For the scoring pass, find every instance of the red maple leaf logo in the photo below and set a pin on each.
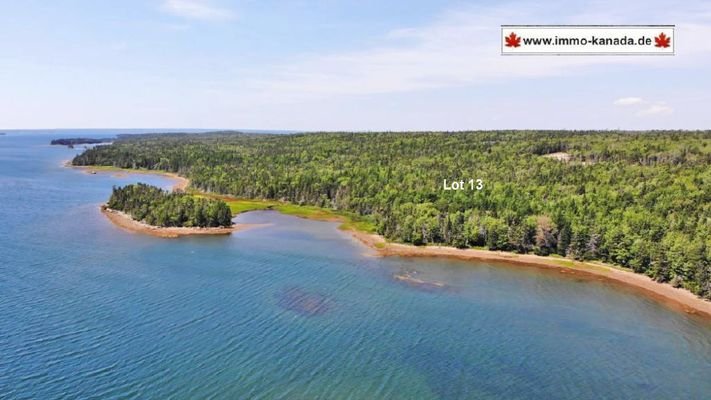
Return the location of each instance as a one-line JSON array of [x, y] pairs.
[[513, 41], [662, 40]]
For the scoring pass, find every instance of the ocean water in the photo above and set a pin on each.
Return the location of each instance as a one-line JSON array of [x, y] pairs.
[[298, 310]]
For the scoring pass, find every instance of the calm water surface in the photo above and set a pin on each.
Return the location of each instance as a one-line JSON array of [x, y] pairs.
[[296, 310]]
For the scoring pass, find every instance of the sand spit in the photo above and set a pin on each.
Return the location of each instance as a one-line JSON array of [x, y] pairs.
[[125, 221]]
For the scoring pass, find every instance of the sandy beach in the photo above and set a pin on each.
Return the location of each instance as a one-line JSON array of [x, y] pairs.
[[676, 298], [125, 221], [181, 183]]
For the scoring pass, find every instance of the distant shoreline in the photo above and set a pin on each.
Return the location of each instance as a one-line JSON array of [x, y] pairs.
[[675, 298], [181, 183]]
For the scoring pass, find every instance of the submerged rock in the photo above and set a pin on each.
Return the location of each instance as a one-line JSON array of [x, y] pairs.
[[303, 302], [409, 278]]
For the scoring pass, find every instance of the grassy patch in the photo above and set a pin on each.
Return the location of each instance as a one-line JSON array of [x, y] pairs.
[[349, 221], [358, 223], [240, 206], [311, 212]]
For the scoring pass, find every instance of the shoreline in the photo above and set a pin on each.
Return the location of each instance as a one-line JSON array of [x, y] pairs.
[[124, 221], [676, 298], [181, 182]]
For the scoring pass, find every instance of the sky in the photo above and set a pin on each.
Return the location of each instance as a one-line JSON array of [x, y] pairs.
[[340, 65]]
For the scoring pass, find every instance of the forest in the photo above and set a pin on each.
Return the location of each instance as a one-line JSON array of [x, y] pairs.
[[640, 200], [157, 207]]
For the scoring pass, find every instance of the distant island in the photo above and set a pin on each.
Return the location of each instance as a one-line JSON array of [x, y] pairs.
[[76, 141], [2, 133], [149, 209]]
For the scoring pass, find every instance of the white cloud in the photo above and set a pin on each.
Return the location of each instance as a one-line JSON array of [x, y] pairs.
[[628, 101], [196, 9], [656, 109], [460, 48], [644, 107]]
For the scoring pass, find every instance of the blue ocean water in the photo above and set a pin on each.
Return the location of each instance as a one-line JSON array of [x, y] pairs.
[[298, 310]]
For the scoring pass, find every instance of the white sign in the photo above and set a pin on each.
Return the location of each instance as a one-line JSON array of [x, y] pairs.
[[587, 39]]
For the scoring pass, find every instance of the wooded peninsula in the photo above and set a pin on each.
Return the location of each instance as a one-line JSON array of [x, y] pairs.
[[640, 200], [160, 208]]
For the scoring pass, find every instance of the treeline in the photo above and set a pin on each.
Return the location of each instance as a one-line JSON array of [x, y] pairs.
[[157, 207], [637, 199]]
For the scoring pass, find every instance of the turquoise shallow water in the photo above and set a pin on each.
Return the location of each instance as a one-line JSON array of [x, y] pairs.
[[296, 310]]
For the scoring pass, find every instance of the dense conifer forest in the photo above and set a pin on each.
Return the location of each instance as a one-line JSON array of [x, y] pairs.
[[160, 208], [637, 199]]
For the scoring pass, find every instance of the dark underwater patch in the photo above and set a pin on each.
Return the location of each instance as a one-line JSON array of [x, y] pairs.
[[303, 302]]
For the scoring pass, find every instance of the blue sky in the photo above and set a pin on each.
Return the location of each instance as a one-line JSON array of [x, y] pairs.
[[339, 65]]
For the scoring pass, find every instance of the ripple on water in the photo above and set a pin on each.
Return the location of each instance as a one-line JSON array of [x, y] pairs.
[[294, 311]]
